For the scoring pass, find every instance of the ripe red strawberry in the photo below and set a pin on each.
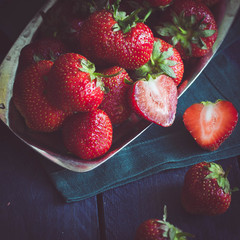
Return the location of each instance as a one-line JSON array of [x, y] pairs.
[[115, 101], [206, 189], [190, 26], [209, 123], [29, 98], [165, 59], [155, 229], [88, 135], [110, 37], [155, 99], [73, 85], [41, 49]]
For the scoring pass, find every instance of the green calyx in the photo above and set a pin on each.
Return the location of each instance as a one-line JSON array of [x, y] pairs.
[[89, 67], [217, 172], [170, 231], [158, 64], [186, 30], [126, 22]]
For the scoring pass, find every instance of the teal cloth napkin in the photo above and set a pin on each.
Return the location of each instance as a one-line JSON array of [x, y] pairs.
[[159, 148]]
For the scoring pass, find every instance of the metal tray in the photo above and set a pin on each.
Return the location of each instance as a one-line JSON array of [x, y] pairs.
[[49, 145]]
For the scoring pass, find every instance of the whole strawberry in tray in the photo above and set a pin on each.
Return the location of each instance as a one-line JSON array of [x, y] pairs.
[[206, 189], [190, 26], [155, 99], [41, 49], [209, 123], [73, 84], [88, 135], [165, 59], [29, 98], [156, 229], [115, 101], [110, 37]]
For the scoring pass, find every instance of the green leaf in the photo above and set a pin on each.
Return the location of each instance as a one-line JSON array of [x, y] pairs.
[[207, 33], [156, 50], [175, 40], [167, 54], [168, 70], [170, 63]]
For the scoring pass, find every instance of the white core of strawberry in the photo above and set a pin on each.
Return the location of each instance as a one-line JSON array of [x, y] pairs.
[[210, 121]]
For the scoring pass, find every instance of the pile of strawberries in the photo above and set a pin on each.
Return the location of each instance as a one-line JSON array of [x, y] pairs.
[[91, 66]]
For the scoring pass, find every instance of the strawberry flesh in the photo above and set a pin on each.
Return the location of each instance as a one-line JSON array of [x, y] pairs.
[[155, 100], [209, 123]]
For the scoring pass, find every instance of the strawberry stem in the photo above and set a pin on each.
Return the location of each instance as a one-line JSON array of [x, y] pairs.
[[127, 22]]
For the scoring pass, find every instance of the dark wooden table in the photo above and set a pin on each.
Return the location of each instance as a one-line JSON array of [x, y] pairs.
[[31, 208]]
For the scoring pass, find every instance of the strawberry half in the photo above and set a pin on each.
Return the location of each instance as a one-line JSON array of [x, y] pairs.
[[156, 229], [209, 123], [88, 135], [206, 189], [155, 99], [29, 98]]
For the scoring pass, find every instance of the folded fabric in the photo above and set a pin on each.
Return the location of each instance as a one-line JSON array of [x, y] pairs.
[[159, 148]]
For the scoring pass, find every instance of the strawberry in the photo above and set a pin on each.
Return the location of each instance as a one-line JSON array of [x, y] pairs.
[[41, 49], [73, 85], [165, 59], [206, 190], [115, 100], [111, 37], [209, 123], [156, 229], [88, 135], [190, 26], [29, 98], [155, 99]]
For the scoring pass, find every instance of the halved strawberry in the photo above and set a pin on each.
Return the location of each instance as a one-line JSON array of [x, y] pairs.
[[209, 123], [155, 99]]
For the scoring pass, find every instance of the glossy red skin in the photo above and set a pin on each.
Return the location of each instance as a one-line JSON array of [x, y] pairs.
[[88, 135], [168, 99], [192, 7], [70, 89], [150, 230], [44, 49], [115, 101], [29, 98], [203, 196], [179, 67], [103, 46]]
